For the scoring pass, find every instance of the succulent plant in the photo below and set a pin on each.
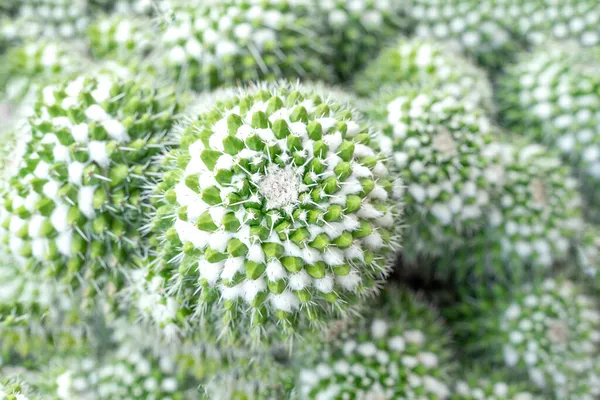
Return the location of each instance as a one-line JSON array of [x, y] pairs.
[[121, 37], [539, 211], [276, 206], [540, 21], [552, 95], [220, 43], [16, 388], [399, 351], [425, 63], [490, 386], [469, 26], [587, 254], [51, 18], [357, 29], [74, 206], [429, 132], [34, 64], [548, 329]]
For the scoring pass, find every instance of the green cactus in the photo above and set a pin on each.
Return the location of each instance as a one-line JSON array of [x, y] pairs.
[[276, 206], [31, 65], [549, 330], [222, 43], [121, 37], [74, 206], [480, 385], [427, 133], [425, 63], [469, 26], [399, 351], [17, 388], [357, 30]]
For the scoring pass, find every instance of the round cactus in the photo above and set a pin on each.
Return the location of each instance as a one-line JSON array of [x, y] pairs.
[[120, 37], [276, 205], [31, 65], [51, 18], [128, 373], [551, 95], [429, 132], [588, 255], [490, 386], [74, 207], [220, 43], [549, 330], [538, 211], [469, 26], [357, 29], [425, 63], [537, 22], [400, 351], [16, 388]]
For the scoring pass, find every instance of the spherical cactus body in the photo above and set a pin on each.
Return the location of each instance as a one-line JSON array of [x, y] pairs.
[[428, 132], [222, 43], [399, 351], [74, 206], [548, 329], [276, 206], [426, 63]]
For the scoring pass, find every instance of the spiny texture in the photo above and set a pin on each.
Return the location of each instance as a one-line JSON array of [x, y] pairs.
[[490, 386], [121, 37], [34, 64], [50, 19], [553, 95], [224, 42], [549, 330], [540, 21], [588, 254], [429, 64], [15, 388], [127, 373], [277, 205], [436, 148], [468, 25], [73, 209], [537, 210], [398, 352], [357, 29]]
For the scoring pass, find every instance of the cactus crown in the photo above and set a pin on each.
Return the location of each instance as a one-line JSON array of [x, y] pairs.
[[276, 205]]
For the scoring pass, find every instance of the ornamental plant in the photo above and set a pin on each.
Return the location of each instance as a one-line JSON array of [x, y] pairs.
[[436, 144], [399, 351], [275, 207], [356, 30], [426, 63], [552, 96], [72, 210], [222, 43], [490, 386], [548, 330]]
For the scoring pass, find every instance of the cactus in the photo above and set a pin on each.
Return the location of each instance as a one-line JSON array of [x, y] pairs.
[[490, 386], [551, 96], [469, 26], [34, 64], [73, 209], [357, 30], [587, 255], [276, 206], [428, 132], [548, 330], [270, 39], [426, 63], [399, 351], [121, 38], [16, 388], [51, 19]]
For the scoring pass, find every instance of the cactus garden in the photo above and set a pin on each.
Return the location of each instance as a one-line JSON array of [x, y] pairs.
[[299, 199]]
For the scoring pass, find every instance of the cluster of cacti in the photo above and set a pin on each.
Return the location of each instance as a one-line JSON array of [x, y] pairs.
[[299, 199]]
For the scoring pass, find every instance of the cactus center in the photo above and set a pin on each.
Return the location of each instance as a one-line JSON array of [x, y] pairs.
[[538, 191], [444, 142], [558, 332], [280, 187]]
